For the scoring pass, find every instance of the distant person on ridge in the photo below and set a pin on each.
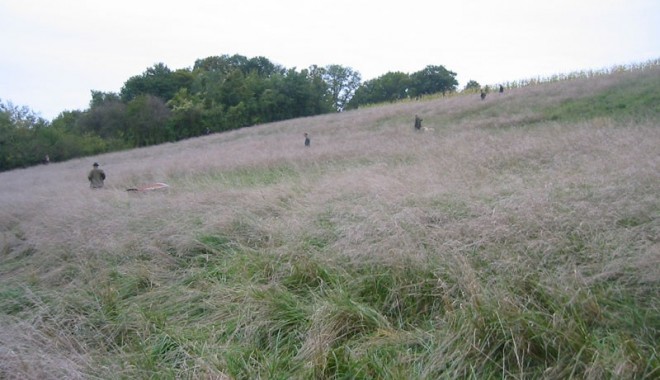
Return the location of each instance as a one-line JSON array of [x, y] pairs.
[[307, 140], [418, 123], [96, 177]]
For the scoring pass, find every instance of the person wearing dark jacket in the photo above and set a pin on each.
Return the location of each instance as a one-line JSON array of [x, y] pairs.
[[418, 122], [96, 177]]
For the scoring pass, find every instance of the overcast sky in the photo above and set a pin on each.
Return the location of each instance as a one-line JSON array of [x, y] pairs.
[[54, 52]]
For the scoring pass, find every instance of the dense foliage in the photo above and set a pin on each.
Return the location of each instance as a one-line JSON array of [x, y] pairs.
[[219, 93], [26, 139], [394, 86]]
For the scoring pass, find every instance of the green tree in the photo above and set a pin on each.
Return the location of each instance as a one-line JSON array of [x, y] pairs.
[[233, 89], [19, 142], [431, 80], [270, 103], [472, 85], [262, 67], [226, 64], [158, 81], [188, 117], [69, 142], [301, 98], [8, 138], [389, 87], [147, 119], [100, 97], [106, 119], [342, 83]]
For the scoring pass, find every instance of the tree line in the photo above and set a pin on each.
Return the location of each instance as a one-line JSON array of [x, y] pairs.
[[218, 93]]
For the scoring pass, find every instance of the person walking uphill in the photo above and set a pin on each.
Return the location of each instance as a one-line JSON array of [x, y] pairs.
[[307, 140], [96, 177]]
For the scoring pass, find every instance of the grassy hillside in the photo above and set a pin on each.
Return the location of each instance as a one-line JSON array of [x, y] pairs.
[[518, 238]]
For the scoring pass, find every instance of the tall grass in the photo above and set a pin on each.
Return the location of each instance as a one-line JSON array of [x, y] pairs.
[[518, 239]]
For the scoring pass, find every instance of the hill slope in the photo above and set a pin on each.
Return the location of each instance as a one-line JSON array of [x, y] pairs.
[[516, 238]]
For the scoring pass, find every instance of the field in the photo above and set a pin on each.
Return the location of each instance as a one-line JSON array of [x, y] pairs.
[[516, 238]]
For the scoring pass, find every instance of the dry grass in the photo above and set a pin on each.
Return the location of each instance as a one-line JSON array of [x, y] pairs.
[[496, 205]]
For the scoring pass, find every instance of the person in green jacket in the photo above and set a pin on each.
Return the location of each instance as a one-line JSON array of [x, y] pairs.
[[96, 177]]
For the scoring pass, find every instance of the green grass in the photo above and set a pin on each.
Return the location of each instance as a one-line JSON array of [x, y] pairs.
[[517, 240], [636, 99], [304, 317]]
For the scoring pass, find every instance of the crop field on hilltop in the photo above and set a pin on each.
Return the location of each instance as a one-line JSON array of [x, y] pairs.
[[516, 238]]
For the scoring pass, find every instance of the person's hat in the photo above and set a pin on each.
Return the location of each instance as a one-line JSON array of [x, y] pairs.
[[96, 164]]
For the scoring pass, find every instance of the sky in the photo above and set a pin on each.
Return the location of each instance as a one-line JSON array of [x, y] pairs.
[[53, 53]]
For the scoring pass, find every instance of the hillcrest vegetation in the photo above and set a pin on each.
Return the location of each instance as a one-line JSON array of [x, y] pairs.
[[219, 93], [511, 237]]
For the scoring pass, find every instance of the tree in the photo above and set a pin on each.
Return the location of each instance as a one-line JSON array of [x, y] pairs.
[[321, 98], [106, 119], [158, 81], [262, 67], [100, 97], [187, 115], [389, 87], [21, 117], [20, 144], [232, 90], [342, 83], [147, 117], [225, 64], [472, 85], [431, 80], [68, 143], [302, 97], [8, 138], [66, 121]]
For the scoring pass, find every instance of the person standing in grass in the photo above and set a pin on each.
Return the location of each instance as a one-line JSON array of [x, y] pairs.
[[96, 177], [307, 140], [418, 122]]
